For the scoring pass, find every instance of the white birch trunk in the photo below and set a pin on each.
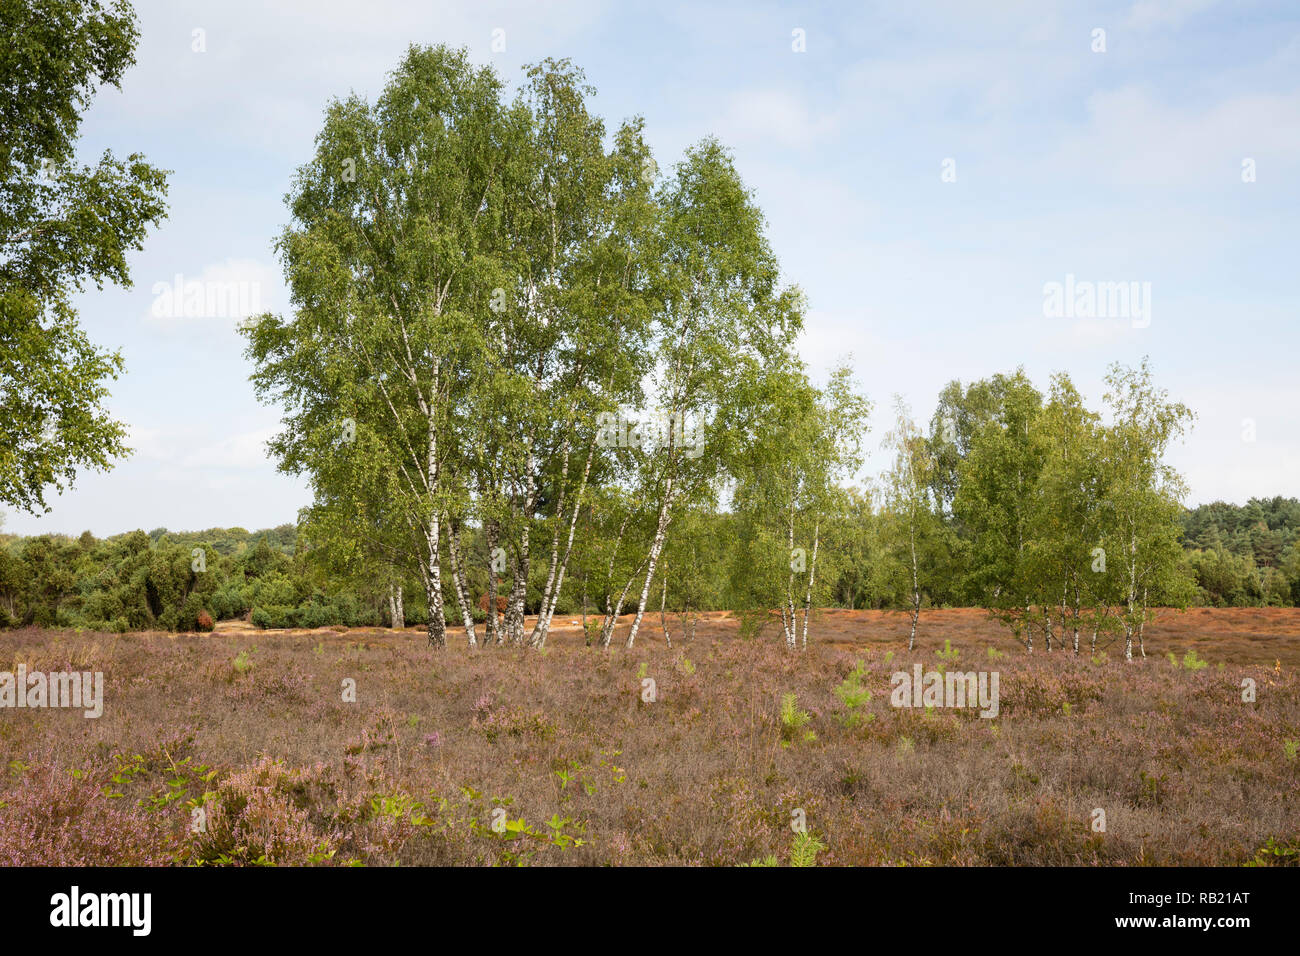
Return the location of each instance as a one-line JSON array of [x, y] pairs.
[[812, 575], [433, 589], [661, 532], [433, 579], [396, 613], [552, 598], [492, 532], [916, 583], [458, 580], [1132, 596]]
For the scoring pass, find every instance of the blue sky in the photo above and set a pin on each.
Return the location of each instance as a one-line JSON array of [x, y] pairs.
[[1117, 166]]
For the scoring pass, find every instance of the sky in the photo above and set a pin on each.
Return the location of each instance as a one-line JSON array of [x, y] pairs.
[[932, 173]]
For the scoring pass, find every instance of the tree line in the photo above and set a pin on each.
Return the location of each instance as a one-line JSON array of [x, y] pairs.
[[1062, 556]]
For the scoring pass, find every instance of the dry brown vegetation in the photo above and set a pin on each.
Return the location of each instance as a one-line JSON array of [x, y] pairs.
[[706, 774]]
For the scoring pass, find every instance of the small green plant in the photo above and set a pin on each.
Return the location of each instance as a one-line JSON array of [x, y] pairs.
[[750, 623], [1151, 789], [558, 837], [905, 745], [949, 654], [399, 806], [686, 666], [642, 669], [995, 654], [855, 696], [243, 662], [889, 656], [804, 850], [1291, 748], [1190, 661], [607, 761], [1277, 853], [793, 720]]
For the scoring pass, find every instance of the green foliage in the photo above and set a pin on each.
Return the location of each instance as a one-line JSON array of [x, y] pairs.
[[243, 662], [793, 720], [855, 696], [62, 224], [138, 581], [804, 850], [1277, 852], [1190, 661], [1245, 555]]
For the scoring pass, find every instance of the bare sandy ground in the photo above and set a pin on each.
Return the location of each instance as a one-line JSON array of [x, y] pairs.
[[1231, 635]]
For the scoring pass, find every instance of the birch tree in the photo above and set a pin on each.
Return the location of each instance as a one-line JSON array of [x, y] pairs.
[[62, 223], [1145, 493], [911, 523], [722, 319], [1064, 553], [394, 245], [806, 442], [564, 336], [993, 501]]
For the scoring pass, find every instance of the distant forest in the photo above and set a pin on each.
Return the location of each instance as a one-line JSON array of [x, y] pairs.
[[1237, 555]]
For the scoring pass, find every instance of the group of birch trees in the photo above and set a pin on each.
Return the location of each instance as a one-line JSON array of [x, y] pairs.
[[519, 353], [1059, 519], [507, 319]]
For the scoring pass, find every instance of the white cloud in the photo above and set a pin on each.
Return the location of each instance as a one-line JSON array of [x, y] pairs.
[[245, 450], [1132, 138], [150, 444], [181, 453], [774, 116]]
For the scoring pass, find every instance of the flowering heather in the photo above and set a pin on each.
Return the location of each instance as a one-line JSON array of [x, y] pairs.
[[508, 756]]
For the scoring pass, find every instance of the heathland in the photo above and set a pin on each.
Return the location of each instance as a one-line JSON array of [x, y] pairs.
[[365, 746]]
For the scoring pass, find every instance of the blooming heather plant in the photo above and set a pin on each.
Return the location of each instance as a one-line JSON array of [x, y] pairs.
[[261, 815], [53, 817], [289, 774]]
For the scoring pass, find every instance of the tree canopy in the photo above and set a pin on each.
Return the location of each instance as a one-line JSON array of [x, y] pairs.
[[62, 223]]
